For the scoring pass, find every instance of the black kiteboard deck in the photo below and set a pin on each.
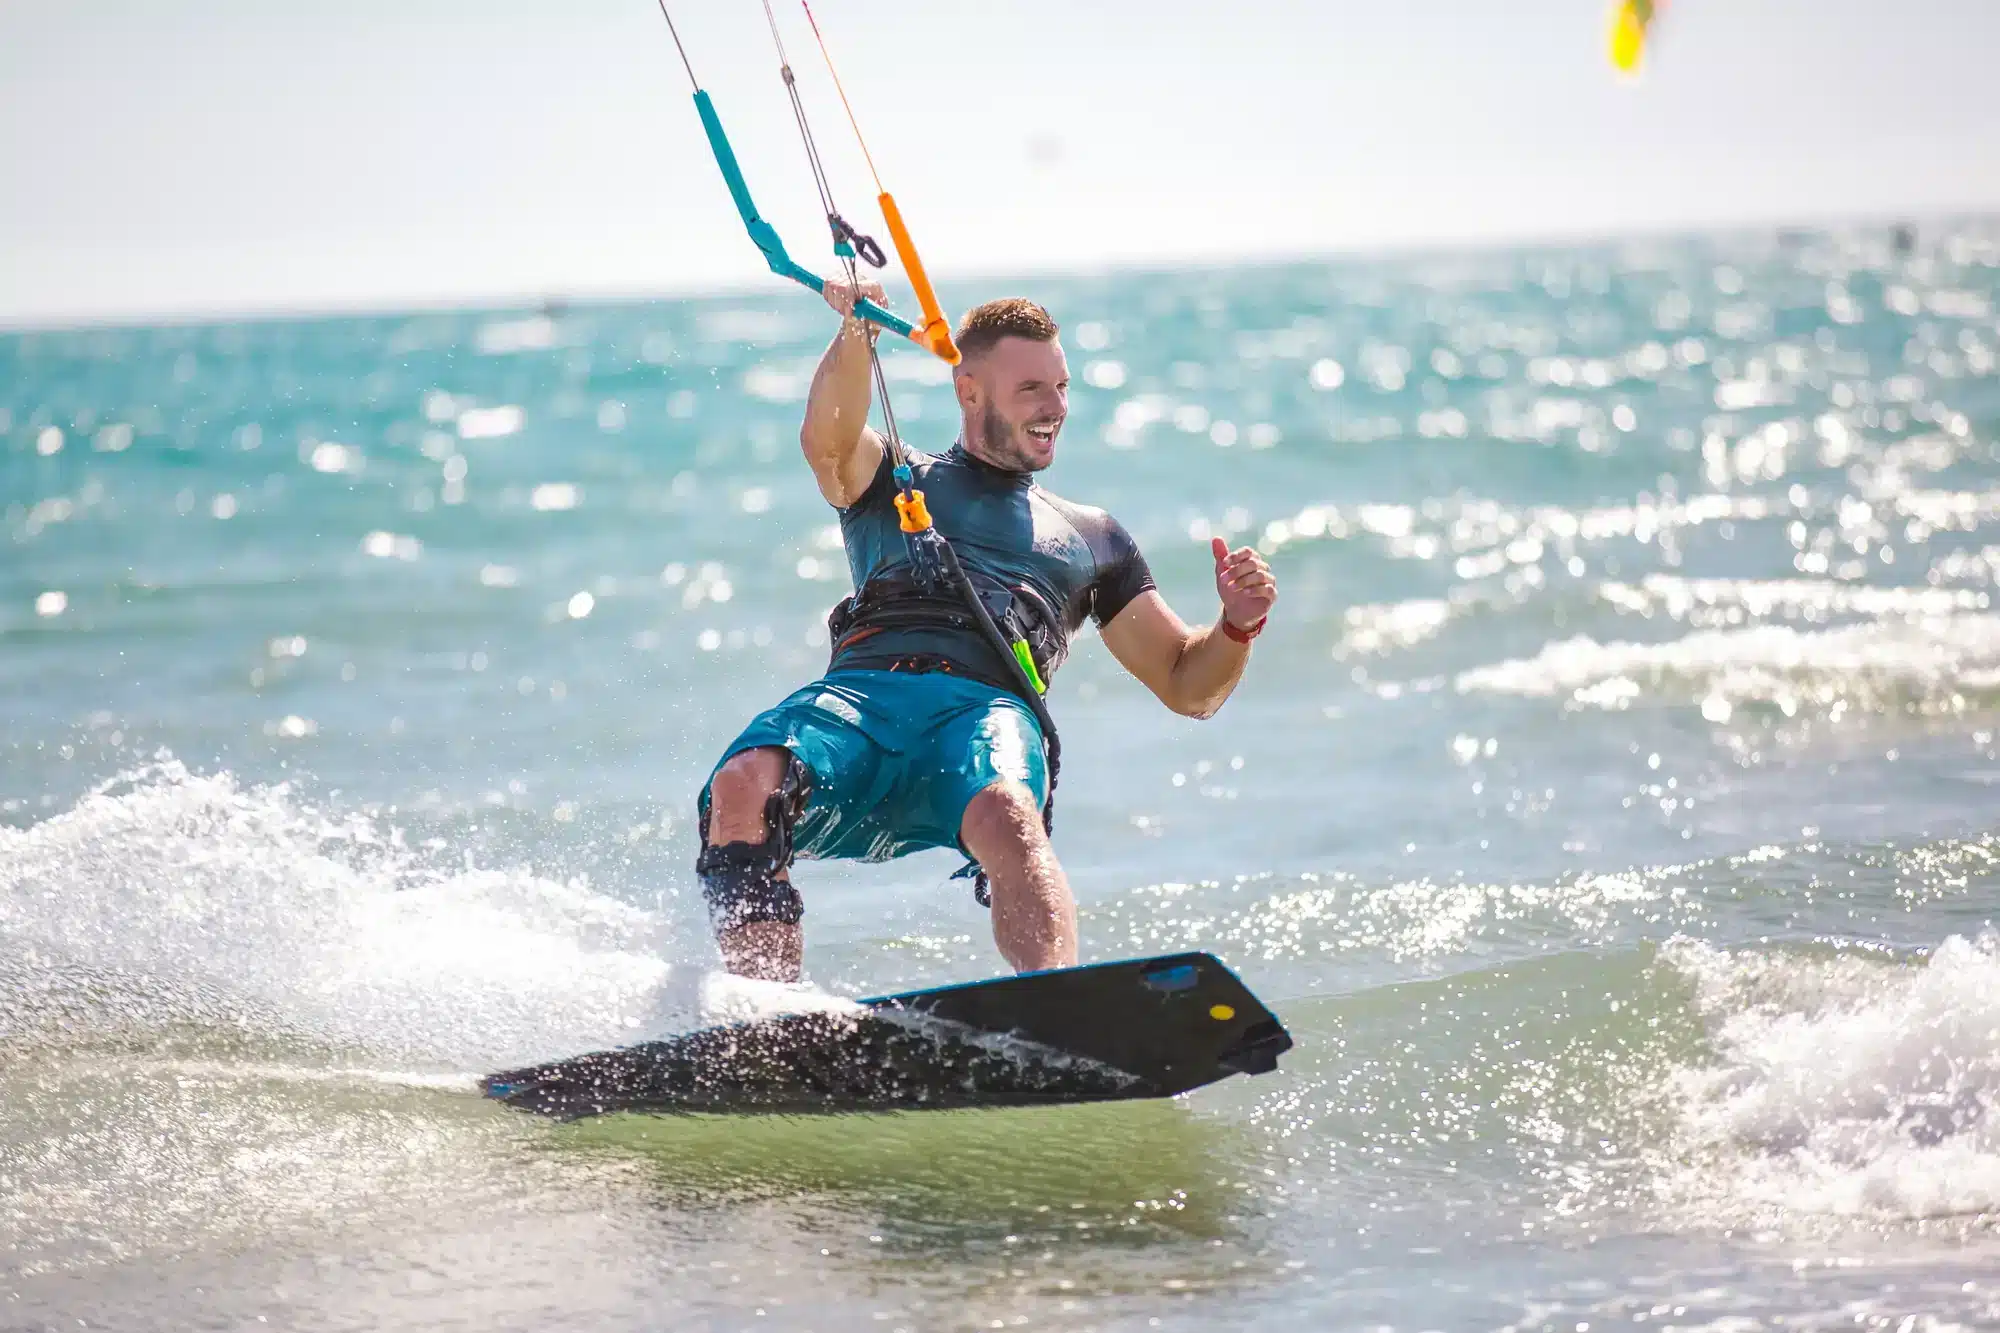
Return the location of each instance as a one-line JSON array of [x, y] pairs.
[[1145, 1027]]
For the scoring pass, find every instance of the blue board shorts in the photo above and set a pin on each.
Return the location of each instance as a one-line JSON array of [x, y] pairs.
[[896, 757]]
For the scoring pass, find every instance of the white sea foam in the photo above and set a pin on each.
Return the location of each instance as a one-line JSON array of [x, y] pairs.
[[168, 898], [726, 998], [1932, 662], [1850, 1086]]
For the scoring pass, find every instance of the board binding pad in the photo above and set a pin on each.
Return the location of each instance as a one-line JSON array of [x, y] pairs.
[[1143, 1027]]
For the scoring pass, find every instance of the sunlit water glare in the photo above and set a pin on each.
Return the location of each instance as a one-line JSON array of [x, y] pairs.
[[1609, 809]]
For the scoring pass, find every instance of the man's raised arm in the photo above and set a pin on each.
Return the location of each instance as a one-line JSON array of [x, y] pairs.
[[843, 452]]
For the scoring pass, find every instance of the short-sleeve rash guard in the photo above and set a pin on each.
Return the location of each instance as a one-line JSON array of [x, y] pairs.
[[1007, 531]]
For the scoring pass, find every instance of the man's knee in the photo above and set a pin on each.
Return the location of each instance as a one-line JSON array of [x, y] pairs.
[[740, 790], [754, 800], [1005, 813]]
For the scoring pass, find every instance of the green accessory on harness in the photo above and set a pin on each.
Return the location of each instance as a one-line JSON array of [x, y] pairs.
[[1026, 657]]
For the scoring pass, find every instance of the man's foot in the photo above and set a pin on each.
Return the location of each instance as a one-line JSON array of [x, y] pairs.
[[764, 950]]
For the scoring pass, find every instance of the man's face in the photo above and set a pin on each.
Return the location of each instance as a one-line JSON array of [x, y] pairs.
[[1015, 398]]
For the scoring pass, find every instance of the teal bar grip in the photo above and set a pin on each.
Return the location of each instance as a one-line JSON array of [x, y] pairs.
[[764, 236]]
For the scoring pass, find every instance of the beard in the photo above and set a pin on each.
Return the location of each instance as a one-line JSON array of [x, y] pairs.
[[1006, 445]]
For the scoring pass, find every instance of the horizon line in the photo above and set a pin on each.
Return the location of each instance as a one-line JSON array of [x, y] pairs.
[[497, 300]]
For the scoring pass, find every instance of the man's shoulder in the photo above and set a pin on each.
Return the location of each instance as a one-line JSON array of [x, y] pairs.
[[922, 461], [884, 482], [1084, 518], [1109, 544]]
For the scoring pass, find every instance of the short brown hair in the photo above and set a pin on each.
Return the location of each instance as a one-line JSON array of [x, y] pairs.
[[1009, 317]]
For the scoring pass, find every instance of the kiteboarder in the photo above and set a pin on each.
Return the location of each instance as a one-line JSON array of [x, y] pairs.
[[921, 733]]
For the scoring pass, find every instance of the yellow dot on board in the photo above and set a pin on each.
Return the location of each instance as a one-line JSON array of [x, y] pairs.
[[1221, 1013]]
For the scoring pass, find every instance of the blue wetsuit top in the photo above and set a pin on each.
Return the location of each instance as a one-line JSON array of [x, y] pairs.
[[1040, 563]]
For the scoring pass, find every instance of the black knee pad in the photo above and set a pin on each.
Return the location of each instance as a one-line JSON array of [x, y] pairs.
[[741, 880]]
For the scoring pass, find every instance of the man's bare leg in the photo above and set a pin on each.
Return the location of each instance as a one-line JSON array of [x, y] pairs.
[[766, 950], [1034, 916]]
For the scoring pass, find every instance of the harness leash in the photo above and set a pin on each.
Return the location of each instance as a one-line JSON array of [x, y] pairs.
[[933, 561]]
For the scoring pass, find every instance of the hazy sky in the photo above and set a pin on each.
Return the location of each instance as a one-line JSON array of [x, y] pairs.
[[218, 155]]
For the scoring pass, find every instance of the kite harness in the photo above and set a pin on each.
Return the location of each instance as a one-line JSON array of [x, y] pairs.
[[752, 868]]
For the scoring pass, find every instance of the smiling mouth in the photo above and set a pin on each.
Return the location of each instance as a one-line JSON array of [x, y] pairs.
[[1044, 432]]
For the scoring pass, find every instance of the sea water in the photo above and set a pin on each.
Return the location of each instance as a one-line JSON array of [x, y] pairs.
[[1610, 808]]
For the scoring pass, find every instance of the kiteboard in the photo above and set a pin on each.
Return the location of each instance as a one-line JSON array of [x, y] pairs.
[[1145, 1027]]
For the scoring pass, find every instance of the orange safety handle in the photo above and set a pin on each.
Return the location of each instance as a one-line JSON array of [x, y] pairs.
[[935, 333], [916, 518]]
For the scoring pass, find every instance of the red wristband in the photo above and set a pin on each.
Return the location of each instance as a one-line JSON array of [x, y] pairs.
[[1243, 635]]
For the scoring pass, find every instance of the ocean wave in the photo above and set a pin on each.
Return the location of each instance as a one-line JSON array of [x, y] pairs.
[[1850, 1085], [1379, 629], [1483, 530], [1383, 628], [1320, 914], [1792, 1087], [1922, 663], [1722, 603], [1807, 887]]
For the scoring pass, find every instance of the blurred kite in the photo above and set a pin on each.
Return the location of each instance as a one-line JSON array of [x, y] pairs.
[[1630, 24]]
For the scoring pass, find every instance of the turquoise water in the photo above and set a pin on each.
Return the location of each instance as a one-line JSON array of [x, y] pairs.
[[1610, 808]]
